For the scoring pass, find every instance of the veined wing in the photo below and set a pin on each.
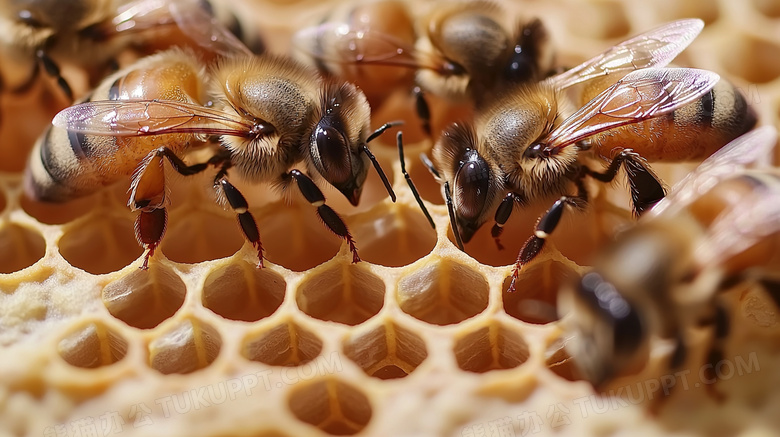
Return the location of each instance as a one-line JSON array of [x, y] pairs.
[[753, 149], [342, 43], [654, 48], [129, 118], [639, 96]]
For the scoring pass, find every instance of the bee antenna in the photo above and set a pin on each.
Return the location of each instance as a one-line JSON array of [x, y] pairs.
[[371, 156], [451, 211], [429, 165], [382, 129], [400, 141], [379, 170]]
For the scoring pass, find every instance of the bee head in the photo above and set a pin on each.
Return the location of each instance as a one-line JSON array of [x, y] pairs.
[[466, 43], [337, 140], [53, 16], [475, 182], [611, 333]]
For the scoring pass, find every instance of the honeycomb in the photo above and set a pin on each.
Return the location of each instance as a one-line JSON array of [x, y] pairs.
[[419, 339]]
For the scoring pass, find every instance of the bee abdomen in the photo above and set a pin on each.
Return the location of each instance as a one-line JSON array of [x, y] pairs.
[[58, 170], [690, 133]]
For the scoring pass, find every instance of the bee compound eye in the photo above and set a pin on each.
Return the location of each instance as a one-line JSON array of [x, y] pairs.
[[472, 183], [331, 153]]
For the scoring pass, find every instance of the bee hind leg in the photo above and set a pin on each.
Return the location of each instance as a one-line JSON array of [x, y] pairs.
[[328, 216], [149, 230], [646, 188]]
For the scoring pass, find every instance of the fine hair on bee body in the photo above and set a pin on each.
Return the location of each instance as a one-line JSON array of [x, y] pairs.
[[276, 120], [525, 147], [719, 228], [460, 50]]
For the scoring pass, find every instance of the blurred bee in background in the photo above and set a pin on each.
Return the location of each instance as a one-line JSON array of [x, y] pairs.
[[275, 122], [459, 51], [718, 228], [84, 40], [522, 149], [91, 33]]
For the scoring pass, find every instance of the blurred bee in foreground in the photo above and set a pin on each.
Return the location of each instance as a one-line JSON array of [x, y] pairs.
[[459, 51], [718, 227], [91, 33], [522, 150], [271, 115]]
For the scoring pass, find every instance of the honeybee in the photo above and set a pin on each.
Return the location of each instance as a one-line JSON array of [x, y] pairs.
[[91, 33], [719, 227], [459, 51], [521, 149], [276, 121]]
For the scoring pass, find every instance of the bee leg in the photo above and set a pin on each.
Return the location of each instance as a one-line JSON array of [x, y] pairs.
[[53, 70], [400, 141], [502, 215], [646, 189], [328, 216], [149, 230], [423, 110], [238, 203], [544, 227], [219, 159]]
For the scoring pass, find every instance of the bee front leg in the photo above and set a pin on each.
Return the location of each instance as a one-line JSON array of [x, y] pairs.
[[646, 189], [503, 212], [332, 220]]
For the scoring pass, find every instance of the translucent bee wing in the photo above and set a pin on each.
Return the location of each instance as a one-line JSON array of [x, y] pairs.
[[139, 15], [130, 118], [639, 96], [654, 48], [342, 43], [744, 225], [751, 150], [204, 29]]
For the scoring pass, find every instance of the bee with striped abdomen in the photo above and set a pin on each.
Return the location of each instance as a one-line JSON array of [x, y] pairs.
[[277, 122], [459, 51], [525, 147], [718, 228]]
